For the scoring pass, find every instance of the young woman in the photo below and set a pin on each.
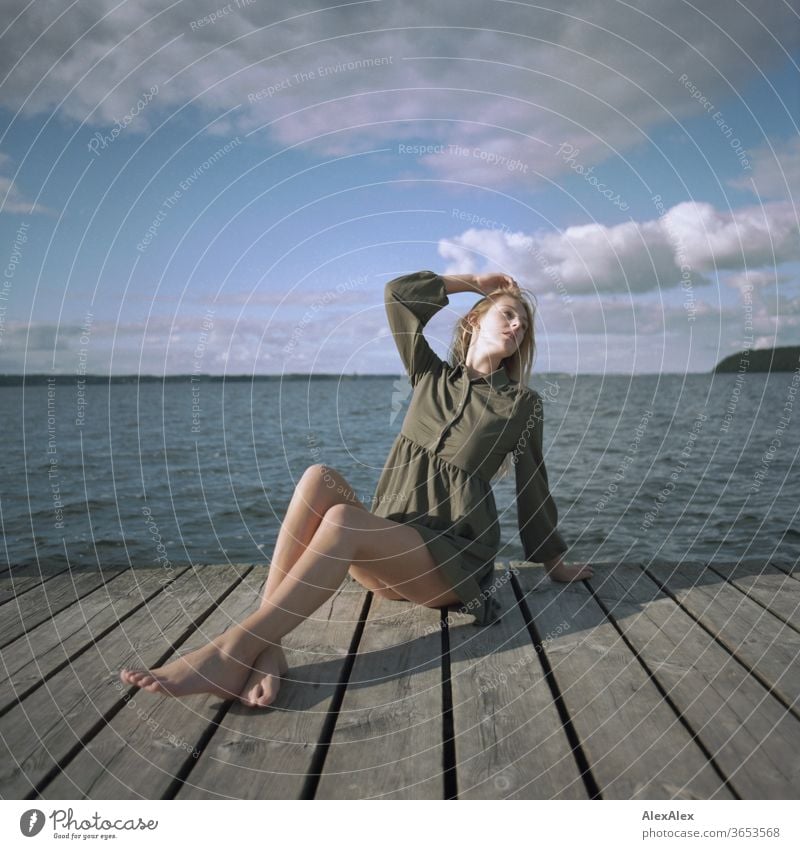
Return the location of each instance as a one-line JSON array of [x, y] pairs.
[[432, 533]]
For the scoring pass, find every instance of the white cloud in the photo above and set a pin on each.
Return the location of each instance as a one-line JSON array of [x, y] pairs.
[[190, 341], [644, 296], [751, 236], [747, 280], [12, 200], [509, 79], [592, 333], [774, 314], [677, 249]]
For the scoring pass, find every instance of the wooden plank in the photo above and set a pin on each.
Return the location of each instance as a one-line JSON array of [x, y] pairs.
[[763, 643], [39, 732], [790, 567], [773, 588], [35, 655], [267, 754], [19, 581], [749, 734], [510, 742], [636, 747], [142, 749], [45, 601], [388, 737]]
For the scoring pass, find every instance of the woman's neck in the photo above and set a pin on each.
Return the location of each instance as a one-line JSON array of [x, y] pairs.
[[481, 367]]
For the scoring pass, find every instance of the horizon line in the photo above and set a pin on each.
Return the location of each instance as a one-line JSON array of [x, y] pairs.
[[279, 375]]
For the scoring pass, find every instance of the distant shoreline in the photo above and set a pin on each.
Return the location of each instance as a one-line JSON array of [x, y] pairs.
[[42, 379], [786, 358], [752, 361]]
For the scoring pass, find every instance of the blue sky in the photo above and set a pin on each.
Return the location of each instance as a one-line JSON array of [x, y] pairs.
[[226, 188]]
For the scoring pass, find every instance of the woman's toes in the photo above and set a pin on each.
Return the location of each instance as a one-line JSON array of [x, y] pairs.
[[261, 688], [259, 696], [144, 679], [249, 696], [264, 699]]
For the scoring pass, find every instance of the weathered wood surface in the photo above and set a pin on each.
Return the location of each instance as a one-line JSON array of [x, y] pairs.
[[744, 731], [49, 598], [42, 731], [791, 568], [767, 646], [31, 659], [14, 584], [388, 738], [634, 743], [654, 680], [767, 585], [510, 742], [142, 748]]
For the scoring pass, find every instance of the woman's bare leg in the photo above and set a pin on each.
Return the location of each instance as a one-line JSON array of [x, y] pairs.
[[319, 488], [347, 534]]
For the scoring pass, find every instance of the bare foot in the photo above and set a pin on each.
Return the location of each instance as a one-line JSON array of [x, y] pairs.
[[210, 669], [570, 572], [261, 688]]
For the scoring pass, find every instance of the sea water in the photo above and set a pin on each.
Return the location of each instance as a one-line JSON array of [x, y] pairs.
[[700, 466]]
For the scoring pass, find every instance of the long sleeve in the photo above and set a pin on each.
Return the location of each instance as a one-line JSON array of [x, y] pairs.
[[536, 511], [411, 301]]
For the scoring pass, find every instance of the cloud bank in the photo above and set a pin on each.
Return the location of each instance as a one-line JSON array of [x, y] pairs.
[[689, 241], [363, 75]]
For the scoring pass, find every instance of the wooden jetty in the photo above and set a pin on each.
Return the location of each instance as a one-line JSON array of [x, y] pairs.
[[649, 681]]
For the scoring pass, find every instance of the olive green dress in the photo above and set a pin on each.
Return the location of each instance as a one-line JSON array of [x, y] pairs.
[[455, 435]]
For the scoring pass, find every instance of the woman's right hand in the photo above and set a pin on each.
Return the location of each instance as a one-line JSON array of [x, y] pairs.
[[492, 282]]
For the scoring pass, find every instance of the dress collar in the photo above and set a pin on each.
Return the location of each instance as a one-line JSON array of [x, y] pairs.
[[496, 379]]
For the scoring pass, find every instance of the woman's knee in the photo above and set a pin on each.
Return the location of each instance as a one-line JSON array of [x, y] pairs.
[[342, 521], [326, 482], [320, 476], [320, 488]]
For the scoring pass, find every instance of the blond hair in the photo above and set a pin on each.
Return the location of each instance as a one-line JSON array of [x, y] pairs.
[[518, 365]]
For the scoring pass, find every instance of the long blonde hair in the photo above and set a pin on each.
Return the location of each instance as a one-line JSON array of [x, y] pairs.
[[518, 365]]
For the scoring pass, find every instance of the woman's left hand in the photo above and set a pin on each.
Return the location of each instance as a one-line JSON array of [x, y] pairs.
[[489, 283]]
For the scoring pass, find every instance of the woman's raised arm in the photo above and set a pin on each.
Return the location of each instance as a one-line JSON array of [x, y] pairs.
[[481, 284], [411, 301]]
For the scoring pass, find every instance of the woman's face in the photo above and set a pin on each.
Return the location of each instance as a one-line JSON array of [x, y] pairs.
[[503, 326]]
